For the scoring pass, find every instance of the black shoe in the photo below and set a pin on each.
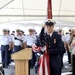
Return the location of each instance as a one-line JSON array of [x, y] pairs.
[[70, 71], [6, 66], [31, 67], [3, 66], [36, 72]]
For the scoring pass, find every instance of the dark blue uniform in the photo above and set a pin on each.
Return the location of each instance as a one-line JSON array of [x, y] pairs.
[[4, 53], [54, 49], [54, 43]]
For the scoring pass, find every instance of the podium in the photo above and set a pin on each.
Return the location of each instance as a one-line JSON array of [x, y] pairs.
[[21, 59]]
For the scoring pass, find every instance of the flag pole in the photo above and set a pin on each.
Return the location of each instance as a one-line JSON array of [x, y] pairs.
[[49, 9]]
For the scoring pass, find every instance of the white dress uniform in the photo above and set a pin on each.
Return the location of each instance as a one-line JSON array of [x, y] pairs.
[[23, 38], [66, 38], [18, 43], [30, 40], [11, 37], [4, 42]]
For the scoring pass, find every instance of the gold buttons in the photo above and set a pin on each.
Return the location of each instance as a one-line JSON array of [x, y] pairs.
[[49, 46]]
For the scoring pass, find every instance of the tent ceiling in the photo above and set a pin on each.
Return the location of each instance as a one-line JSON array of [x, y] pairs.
[[19, 10], [4, 3]]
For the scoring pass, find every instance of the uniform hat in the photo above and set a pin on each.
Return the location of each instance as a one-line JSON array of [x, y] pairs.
[[60, 30], [4, 30], [50, 23], [31, 30], [18, 30]]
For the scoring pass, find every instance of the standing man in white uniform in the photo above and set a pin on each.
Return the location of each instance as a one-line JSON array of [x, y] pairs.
[[30, 40], [23, 38], [18, 41], [5, 42], [66, 40]]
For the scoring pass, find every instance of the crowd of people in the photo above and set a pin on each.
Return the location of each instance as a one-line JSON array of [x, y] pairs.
[[13, 42], [59, 42]]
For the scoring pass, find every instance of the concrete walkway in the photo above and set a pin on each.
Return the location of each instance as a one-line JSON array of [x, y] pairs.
[[66, 70]]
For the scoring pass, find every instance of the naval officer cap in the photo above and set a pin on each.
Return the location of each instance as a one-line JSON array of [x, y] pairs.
[[31, 30], [4, 30], [18, 30], [50, 23], [60, 30]]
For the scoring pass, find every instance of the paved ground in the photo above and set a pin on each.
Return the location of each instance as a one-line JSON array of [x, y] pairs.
[[66, 70]]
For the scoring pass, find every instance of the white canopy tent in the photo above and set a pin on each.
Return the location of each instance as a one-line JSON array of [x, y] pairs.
[[22, 10]]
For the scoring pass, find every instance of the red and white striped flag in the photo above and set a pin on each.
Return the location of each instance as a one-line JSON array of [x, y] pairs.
[[44, 68], [44, 62]]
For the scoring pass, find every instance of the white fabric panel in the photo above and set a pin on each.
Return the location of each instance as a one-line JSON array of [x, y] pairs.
[[37, 10], [4, 2]]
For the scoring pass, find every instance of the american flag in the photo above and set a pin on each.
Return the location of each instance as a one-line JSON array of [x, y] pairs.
[[44, 62]]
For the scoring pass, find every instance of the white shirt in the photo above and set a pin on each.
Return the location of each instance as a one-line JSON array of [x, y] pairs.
[[11, 37], [63, 38], [30, 40], [24, 38], [18, 42], [5, 40], [66, 38], [50, 34]]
